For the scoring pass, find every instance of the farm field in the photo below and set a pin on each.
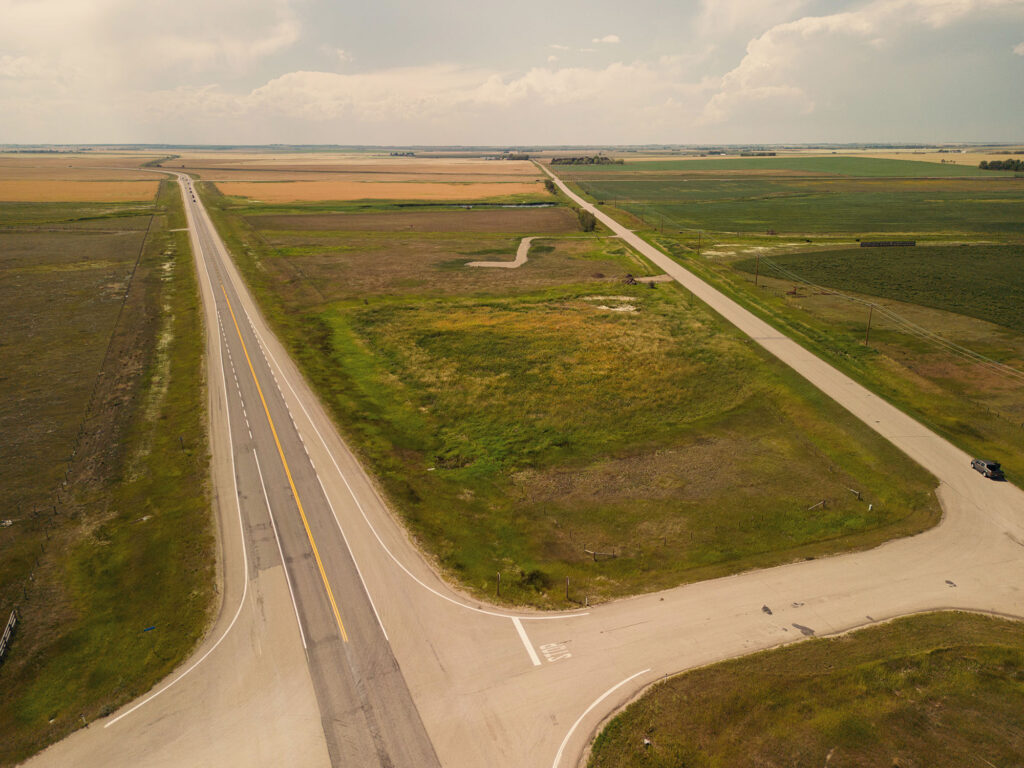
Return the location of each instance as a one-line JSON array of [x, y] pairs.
[[986, 282], [102, 348], [830, 208], [521, 419], [840, 165], [342, 178], [938, 690], [74, 178], [974, 404]]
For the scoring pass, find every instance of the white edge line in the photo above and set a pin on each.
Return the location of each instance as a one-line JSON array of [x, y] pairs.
[[241, 528], [351, 554], [373, 530], [602, 697], [526, 641], [284, 565]]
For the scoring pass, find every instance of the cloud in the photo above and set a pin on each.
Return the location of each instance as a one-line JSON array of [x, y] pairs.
[[606, 39], [417, 103], [343, 56], [1019, 49], [116, 41], [795, 65], [552, 59], [558, 47]]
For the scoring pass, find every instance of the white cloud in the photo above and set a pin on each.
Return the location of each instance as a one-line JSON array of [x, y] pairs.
[[413, 101], [552, 59], [118, 40], [343, 56], [784, 68], [1019, 49], [558, 47], [606, 39]]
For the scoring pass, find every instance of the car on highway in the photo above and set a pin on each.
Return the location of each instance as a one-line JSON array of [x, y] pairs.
[[988, 468]]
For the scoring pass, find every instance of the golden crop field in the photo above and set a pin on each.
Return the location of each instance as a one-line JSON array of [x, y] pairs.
[[75, 178], [344, 177], [295, 191]]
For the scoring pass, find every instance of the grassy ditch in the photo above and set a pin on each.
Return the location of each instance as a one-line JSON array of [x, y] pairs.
[[523, 420], [115, 585], [939, 690]]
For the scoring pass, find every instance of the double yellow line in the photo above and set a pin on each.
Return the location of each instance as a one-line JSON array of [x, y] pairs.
[[284, 461]]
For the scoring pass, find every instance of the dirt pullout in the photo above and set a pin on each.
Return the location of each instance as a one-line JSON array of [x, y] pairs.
[[540, 220]]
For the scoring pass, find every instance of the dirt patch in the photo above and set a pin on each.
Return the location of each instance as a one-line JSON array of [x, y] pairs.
[[540, 220], [296, 191]]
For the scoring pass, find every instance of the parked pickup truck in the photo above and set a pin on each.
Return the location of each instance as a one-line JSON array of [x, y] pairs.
[[988, 468]]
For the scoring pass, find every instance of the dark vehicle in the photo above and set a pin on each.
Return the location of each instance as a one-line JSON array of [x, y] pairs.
[[988, 468]]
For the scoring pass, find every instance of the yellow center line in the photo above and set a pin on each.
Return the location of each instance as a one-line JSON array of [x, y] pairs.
[[291, 482]]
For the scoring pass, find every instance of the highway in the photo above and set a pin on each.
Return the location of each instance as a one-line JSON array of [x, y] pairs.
[[338, 644]]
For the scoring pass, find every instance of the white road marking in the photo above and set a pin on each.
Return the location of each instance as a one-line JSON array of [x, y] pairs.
[[373, 530], [555, 651], [245, 555], [284, 565], [526, 641], [602, 697]]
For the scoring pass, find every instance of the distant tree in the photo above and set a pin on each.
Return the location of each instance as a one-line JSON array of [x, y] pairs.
[[549, 185], [588, 222]]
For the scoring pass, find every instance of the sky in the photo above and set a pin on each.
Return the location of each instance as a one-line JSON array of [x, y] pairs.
[[532, 72]]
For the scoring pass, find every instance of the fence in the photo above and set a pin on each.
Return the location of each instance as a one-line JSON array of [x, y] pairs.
[[8, 631]]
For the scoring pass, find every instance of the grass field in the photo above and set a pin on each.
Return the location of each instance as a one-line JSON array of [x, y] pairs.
[[935, 691], [837, 165], [518, 417], [965, 224], [108, 351], [986, 282], [842, 206]]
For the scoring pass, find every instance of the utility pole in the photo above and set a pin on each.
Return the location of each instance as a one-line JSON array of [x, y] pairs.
[[867, 333], [757, 268], [698, 242]]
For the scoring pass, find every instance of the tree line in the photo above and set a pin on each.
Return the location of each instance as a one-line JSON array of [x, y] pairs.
[[1001, 165], [586, 160]]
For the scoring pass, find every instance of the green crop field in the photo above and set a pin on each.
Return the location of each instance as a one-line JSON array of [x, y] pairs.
[[517, 418], [803, 164], [834, 206], [971, 266], [986, 282], [940, 690], [102, 350]]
